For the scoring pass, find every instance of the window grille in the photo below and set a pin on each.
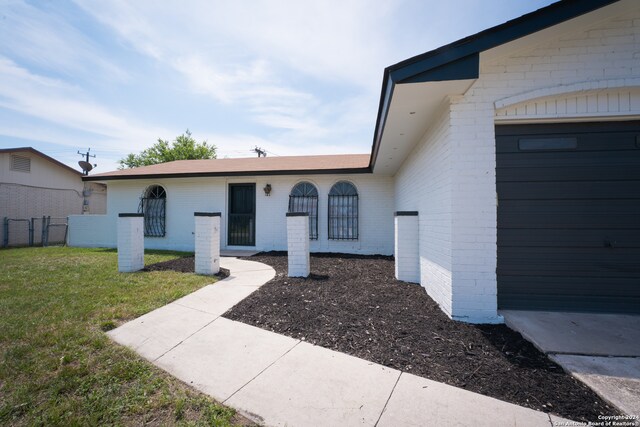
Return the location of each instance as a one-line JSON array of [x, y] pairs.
[[153, 205], [304, 198], [343, 212]]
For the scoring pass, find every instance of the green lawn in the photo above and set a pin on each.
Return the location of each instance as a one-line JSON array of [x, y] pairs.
[[58, 367]]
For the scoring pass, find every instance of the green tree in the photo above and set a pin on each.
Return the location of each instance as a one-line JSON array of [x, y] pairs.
[[184, 147]]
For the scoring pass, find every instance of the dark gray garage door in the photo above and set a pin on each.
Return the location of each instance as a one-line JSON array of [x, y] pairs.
[[569, 217]]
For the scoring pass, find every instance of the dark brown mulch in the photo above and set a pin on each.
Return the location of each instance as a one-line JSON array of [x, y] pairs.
[[182, 265], [354, 305]]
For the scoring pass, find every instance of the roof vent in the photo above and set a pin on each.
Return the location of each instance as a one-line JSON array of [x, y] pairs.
[[20, 163]]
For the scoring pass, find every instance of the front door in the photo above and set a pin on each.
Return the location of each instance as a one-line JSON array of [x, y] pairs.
[[242, 215]]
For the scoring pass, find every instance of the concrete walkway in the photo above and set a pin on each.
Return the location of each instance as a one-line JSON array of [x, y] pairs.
[[601, 350], [277, 380]]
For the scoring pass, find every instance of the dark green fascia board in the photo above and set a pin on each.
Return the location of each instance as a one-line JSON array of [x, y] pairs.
[[467, 67], [530, 23], [462, 54], [463, 68], [383, 111]]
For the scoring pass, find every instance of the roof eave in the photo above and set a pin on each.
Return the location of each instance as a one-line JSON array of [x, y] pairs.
[[41, 154], [362, 170], [460, 59]]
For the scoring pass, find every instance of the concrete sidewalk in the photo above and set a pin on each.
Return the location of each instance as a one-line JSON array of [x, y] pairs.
[[277, 380]]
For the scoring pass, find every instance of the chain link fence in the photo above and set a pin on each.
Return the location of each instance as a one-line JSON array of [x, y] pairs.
[[39, 231]]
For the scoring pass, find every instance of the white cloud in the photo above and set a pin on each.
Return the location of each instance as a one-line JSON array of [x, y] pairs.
[[303, 77], [68, 106], [241, 145], [75, 121], [330, 40], [46, 39], [257, 55]]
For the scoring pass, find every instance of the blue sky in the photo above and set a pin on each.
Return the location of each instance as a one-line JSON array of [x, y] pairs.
[[292, 77]]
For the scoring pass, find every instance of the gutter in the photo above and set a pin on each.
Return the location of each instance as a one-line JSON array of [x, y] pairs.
[[364, 170]]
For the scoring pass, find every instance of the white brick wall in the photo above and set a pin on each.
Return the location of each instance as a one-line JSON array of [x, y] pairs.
[[24, 202], [92, 231], [474, 213], [130, 243], [376, 196], [188, 195], [424, 184], [450, 175], [96, 199], [298, 245], [207, 243], [406, 247]]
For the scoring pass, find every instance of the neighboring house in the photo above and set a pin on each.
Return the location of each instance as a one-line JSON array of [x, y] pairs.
[[33, 185], [519, 147]]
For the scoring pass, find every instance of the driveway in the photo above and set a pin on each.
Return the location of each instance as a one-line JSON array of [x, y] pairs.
[[601, 350]]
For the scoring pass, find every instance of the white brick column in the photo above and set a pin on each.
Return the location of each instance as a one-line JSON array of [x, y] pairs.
[[406, 247], [298, 244], [474, 211], [207, 242], [130, 242]]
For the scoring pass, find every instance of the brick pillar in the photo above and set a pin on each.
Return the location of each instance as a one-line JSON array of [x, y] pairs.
[[406, 247], [298, 243], [130, 242], [207, 242]]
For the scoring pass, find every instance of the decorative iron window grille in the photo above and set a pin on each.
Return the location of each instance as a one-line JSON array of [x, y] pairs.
[[343, 211], [304, 198], [153, 205]]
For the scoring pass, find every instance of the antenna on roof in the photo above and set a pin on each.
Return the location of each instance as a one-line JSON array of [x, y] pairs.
[[84, 164], [261, 152]]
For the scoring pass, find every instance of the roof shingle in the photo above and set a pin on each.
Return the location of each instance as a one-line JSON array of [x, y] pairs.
[[282, 165]]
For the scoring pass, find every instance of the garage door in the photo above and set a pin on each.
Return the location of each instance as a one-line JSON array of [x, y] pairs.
[[569, 217]]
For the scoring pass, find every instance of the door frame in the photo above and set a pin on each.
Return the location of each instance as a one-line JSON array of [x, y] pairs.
[[229, 204]]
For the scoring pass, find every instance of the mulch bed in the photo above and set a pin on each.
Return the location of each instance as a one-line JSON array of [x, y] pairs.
[[353, 304], [182, 265]]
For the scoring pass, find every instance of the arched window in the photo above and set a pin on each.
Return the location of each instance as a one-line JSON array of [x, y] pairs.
[[343, 211], [153, 205], [304, 198]]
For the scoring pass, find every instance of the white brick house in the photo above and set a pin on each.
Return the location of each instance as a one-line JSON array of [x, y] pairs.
[[189, 194], [517, 147]]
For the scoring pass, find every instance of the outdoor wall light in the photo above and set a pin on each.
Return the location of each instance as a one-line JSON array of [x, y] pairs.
[[267, 190]]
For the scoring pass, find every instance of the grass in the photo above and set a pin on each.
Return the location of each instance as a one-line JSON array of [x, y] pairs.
[[58, 367]]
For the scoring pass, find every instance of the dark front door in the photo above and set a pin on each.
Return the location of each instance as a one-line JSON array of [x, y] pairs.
[[569, 217], [242, 215]]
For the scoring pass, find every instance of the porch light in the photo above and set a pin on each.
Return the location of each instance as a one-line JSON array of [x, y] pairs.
[[267, 190]]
